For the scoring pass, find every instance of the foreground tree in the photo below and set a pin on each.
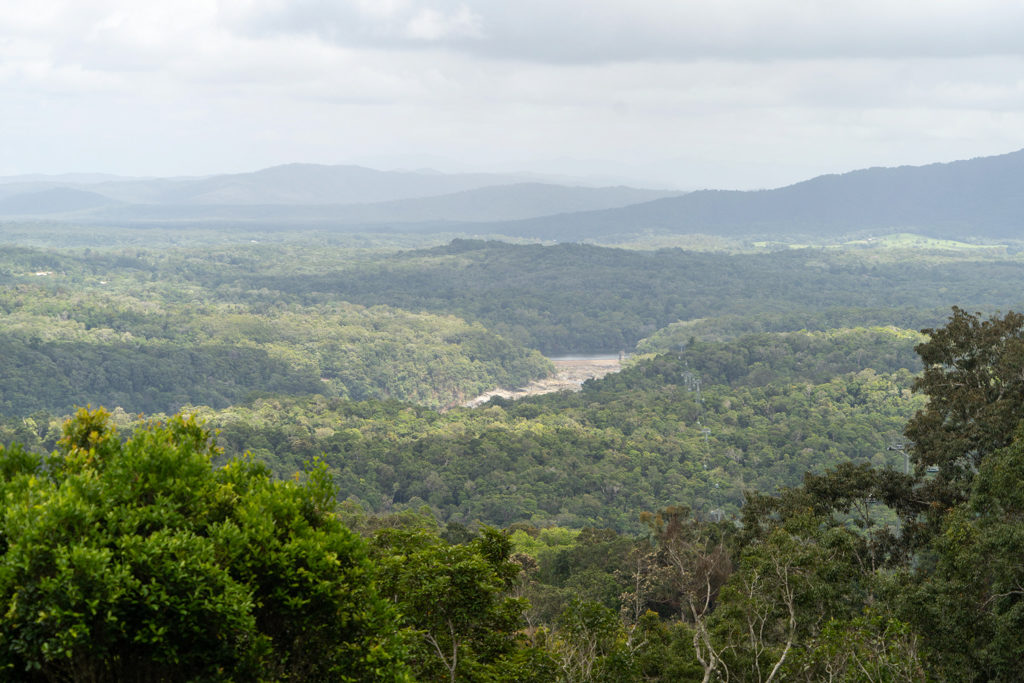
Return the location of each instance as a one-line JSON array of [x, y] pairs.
[[692, 565], [591, 645], [871, 647], [974, 380], [456, 597], [138, 561], [970, 608]]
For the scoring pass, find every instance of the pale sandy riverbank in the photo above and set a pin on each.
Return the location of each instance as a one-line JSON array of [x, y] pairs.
[[569, 376]]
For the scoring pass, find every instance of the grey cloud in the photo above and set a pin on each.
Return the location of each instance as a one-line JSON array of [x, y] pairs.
[[716, 92], [388, 23], [601, 31]]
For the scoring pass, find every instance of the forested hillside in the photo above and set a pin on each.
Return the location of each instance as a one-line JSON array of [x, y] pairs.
[[112, 332], [969, 199], [973, 198], [830, 573], [785, 453], [701, 426], [577, 298]]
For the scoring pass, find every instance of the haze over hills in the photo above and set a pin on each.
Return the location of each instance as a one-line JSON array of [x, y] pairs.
[[309, 192], [52, 200], [302, 184], [978, 198], [285, 184], [502, 202], [982, 197]]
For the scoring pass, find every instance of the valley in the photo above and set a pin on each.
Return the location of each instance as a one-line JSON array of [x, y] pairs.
[[777, 434], [570, 374], [590, 341]]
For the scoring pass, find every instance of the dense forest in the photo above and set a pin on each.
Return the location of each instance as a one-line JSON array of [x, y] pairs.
[[656, 433], [670, 428], [573, 298], [113, 331], [787, 481]]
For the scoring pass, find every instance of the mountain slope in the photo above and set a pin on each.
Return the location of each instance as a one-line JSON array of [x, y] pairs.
[[52, 200], [313, 194], [981, 197], [498, 203], [297, 184], [977, 198]]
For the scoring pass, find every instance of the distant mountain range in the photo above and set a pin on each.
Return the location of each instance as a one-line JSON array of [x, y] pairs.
[[982, 197], [52, 200], [308, 193]]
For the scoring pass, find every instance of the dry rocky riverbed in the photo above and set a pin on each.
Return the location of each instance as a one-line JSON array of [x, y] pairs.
[[569, 376]]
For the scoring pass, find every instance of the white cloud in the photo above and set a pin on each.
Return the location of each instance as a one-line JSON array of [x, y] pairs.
[[675, 30], [761, 91], [431, 25]]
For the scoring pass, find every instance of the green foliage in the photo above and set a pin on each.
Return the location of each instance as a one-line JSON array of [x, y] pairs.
[[974, 381], [138, 561], [574, 298], [630, 441], [455, 598], [667, 652], [533, 541], [113, 327], [785, 588], [970, 609], [113, 331], [865, 649], [813, 356], [591, 645]]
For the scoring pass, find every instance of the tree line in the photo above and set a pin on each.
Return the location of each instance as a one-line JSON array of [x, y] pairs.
[[136, 559], [700, 426], [148, 351]]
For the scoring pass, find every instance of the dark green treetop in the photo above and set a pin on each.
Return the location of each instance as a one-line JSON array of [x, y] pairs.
[[139, 561]]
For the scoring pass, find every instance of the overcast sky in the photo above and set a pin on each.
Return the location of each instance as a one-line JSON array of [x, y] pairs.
[[672, 93]]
